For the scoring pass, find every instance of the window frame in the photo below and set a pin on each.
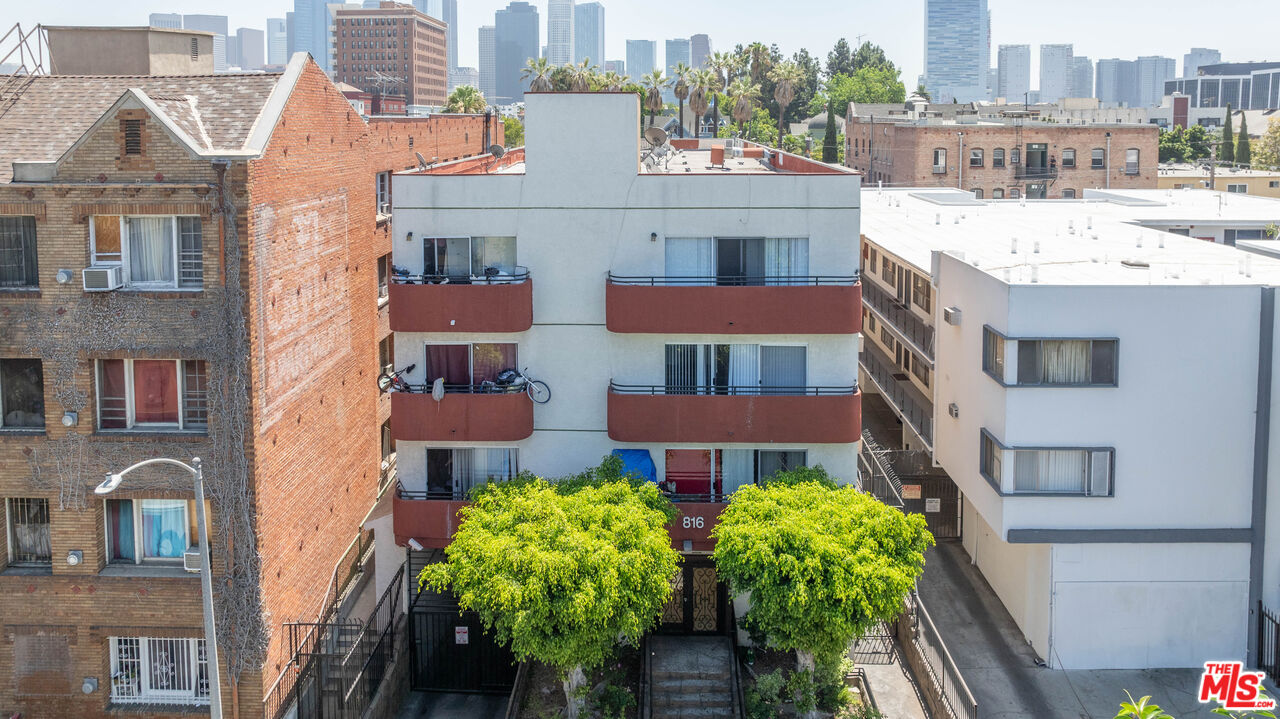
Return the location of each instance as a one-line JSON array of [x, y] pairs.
[[43, 406], [471, 357], [1068, 160], [27, 245], [123, 261], [977, 157], [1070, 196], [131, 423], [139, 555], [997, 193], [196, 657], [1134, 166], [991, 452], [1238, 188], [997, 158], [1015, 357], [11, 541], [939, 152], [1098, 158]]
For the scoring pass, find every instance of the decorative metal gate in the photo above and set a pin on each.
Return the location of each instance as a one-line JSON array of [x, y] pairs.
[[453, 653], [698, 599], [875, 647]]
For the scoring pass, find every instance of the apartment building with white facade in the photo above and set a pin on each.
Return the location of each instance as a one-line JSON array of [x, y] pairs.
[[692, 309], [1099, 389]]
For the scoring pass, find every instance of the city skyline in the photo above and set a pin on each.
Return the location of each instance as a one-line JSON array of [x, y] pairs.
[[729, 25]]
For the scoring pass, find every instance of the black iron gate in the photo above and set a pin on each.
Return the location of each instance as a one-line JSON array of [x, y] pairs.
[[452, 652], [1268, 643], [874, 647], [698, 600], [938, 499]]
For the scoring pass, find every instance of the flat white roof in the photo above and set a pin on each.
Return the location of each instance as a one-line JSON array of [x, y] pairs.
[[1109, 237]]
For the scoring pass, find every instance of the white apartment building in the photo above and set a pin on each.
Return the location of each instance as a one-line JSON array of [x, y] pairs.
[[1097, 383], [691, 308]]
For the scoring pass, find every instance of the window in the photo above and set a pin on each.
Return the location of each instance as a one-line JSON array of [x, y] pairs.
[[1098, 159], [21, 394], [169, 395], [195, 49], [989, 458], [28, 522], [997, 194], [993, 353], [976, 157], [384, 193], [1131, 161], [940, 160], [133, 137], [997, 157], [1015, 156], [1067, 470], [1229, 237], [1015, 193], [921, 292], [1071, 362], [886, 270], [1273, 183], [977, 193], [1068, 194], [717, 473], [18, 252], [737, 260], [467, 259], [1239, 189], [453, 473], [150, 530], [921, 370], [386, 353], [1068, 158], [152, 670], [735, 369], [466, 367], [886, 337], [156, 252], [384, 267]]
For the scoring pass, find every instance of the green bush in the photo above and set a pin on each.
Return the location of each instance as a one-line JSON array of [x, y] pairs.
[[613, 701]]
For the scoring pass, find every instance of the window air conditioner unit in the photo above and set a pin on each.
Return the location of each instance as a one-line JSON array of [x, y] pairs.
[[951, 315], [191, 560], [103, 279], [384, 208], [953, 409]]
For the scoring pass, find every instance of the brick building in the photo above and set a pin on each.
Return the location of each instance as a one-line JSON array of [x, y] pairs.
[[392, 49], [237, 218], [1002, 158]]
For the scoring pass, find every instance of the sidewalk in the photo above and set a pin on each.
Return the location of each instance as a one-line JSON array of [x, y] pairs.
[[1000, 668], [894, 690]]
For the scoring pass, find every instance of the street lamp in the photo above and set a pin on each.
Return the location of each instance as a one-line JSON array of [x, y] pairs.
[[109, 485]]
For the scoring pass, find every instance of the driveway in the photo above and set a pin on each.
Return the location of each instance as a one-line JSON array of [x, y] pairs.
[[1001, 669], [441, 705]]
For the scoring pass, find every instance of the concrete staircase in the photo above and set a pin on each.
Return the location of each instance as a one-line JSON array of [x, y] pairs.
[[691, 677]]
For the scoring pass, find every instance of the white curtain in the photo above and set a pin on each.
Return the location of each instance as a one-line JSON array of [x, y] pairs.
[[737, 467], [1065, 361], [1100, 474], [463, 471], [782, 367], [785, 258], [487, 465], [744, 368], [691, 257], [150, 249], [1049, 470]]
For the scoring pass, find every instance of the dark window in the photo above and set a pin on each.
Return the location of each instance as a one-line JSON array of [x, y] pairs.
[[18, 252], [1068, 158], [1068, 194], [21, 394], [384, 264], [975, 157], [1067, 362], [997, 157], [133, 137], [1098, 159], [993, 353], [29, 532], [989, 457]]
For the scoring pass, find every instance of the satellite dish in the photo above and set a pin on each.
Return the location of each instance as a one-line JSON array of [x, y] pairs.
[[497, 151], [422, 161], [656, 136]]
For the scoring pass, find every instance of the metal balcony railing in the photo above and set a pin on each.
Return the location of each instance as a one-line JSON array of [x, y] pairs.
[[737, 281], [731, 390], [1022, 172], [489, 277], [905, 322], [913, 412]]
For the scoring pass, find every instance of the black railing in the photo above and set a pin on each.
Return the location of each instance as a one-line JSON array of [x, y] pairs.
[[882, 373], [1022, 172], [900, 317], [731, 390], [1268, 642], [447, 494], [737, 281], [489, 277], [481, 388]]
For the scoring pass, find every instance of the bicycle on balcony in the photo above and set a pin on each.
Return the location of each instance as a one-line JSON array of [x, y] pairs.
[[515, 380]]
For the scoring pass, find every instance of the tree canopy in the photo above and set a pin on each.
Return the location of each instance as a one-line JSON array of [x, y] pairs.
[[465, 99], [821, 563], [840, 59], [562, 570], [1267, 153], [1227, 148], [512, 132]]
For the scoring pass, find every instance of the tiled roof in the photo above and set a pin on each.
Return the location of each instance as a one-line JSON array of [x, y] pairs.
[[51, 112]]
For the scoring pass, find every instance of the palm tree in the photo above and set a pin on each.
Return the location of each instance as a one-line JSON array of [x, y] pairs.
[[581, 75], [465, 99], [681, 91], [538, 71], [701, 82], [653, 83], [721, 65], [758, 59], [785, 77], [612, 81], [743, 92]]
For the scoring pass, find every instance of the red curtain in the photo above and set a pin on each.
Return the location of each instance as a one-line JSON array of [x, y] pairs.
[[155, 391], [448, 361], [487, 360]]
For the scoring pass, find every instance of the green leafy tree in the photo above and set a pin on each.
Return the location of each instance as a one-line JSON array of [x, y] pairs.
[[1141, 709], [872, 84], [744, 94], [465, 99], [1268, 153], [1243, 154], [840, 59], [1227, 148], [1199, 145], [538, 72], [821, 564], [830, 151], [923, 91], [869, 55], [562, 571], [1173, 145], [806, 88], [512, 132]]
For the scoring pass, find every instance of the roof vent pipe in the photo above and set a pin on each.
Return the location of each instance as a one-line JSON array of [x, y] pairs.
[[1035, 274], [937, 218], [1036, 247], [1013, 246]]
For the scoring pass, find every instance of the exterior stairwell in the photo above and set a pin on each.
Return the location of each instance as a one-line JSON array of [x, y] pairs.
[[691, 678]]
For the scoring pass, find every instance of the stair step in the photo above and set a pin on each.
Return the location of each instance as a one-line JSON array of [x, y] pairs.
[[694, 713], [686, 686], [677, 701], [720, 675]]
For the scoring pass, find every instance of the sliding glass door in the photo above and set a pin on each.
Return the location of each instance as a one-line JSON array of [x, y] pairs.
[[735, 369]]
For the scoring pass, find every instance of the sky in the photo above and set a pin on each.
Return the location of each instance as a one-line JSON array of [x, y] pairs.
[[1242, 29]]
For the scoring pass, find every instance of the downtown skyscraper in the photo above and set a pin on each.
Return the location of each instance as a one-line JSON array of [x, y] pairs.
[[488, 63], [588, 33], [957, 50], [1056, 68], [560, 32], [1014, 72], [642, 58], [311, 31], [516, 33]]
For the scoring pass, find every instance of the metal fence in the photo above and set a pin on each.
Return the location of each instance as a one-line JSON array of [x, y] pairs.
[[1268, 642], [915, 414], [940, 669], [902, 320]]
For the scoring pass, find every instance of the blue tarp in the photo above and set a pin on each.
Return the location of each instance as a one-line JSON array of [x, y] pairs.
[[637, 462]]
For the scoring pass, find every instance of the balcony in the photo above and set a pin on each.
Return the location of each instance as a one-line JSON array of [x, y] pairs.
[[805, 415], [734, 305], [911, 405], [467, 413], [434, 303], [904, 321], [1022, 172]]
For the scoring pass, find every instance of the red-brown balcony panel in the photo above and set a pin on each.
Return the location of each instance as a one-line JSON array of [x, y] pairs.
[[429, 304], [698, 305], [694, 524], [809, 415], [461, 416], [431, 522]]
